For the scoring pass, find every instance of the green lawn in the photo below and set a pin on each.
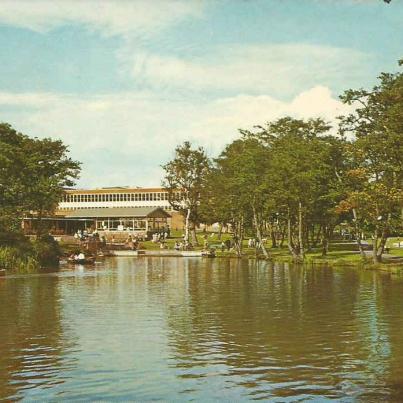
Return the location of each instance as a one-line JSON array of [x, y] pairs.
[[342, 253]]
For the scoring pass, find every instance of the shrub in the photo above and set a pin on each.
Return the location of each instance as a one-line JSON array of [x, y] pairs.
[[46, 251]]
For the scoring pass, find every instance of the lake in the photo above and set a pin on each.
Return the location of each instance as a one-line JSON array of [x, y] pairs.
[[182, 329]]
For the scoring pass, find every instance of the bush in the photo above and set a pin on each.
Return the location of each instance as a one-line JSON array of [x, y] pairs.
[[46, 251], [15, 240]]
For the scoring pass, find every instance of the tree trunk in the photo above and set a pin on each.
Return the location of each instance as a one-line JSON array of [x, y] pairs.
[[382, 245], [318, 235], [238, 239], [358, 234], [273, 237], [375, 258], [291, 246], [384, 237], [187, 225], [283, 231], [325, 240], [259, 233], [300, 232], [220, 225], [195, 241]]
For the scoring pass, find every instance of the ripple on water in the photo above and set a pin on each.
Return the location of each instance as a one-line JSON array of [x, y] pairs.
[[188, 329]]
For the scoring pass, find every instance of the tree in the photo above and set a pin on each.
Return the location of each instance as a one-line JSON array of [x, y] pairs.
[[33, 174], [375, 194], [297, 167], [239, 180], [185, 179]]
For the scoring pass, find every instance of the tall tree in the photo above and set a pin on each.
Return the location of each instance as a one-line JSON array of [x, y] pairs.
[[241, 177], [185, 179], [33, 174], [296, 169], [375, 195]]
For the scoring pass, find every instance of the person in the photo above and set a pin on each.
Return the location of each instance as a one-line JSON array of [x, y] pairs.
[[80, 256], [129, 242], [228, 244], [222, 246], [180, 245], [176, 245], [103, 241], [135, 243]]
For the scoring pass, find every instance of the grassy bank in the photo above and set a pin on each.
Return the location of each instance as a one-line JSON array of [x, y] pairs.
[[340, 253]]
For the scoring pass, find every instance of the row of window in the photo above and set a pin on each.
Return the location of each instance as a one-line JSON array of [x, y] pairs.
[[168, 208], [111, 197]]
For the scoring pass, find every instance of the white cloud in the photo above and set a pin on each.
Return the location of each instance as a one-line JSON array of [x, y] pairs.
[[111, 17], [123, 138], [280, 69]]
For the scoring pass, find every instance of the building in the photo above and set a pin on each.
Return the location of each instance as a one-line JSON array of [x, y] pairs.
[[115, 197], [112, 210]]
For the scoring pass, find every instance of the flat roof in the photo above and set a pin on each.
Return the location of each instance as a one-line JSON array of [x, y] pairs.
[[139, 212]]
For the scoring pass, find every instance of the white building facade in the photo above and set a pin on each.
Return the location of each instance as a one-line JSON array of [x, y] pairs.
[[115, 197]]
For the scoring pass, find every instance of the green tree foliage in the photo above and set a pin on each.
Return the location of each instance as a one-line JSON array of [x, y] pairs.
[[185, 179], [240, 189], [302, 179], [294, 176], [33, 173], [375, 180]]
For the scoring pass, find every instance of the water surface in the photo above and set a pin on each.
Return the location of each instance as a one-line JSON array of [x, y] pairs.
[[202, 329]]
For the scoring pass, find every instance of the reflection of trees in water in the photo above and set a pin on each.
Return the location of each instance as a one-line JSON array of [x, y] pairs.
[[297, 328], [31, 336], [388, 343]]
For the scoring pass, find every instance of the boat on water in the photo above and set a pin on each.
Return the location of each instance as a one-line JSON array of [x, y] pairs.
[[88, 260]]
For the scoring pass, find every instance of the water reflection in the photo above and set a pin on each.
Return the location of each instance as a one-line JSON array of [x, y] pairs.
[[180, 329], [31, 339]]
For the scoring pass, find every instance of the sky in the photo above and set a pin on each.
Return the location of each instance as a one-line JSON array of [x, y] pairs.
[[124, 82]]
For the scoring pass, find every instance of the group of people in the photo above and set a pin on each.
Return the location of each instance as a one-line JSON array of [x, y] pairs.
[[85, 234], [81, 234], [132, 242], [77, 256], [183, 245], [160, 236]]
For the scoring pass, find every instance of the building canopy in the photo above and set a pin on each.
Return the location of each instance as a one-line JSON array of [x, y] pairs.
[[120, 212]]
